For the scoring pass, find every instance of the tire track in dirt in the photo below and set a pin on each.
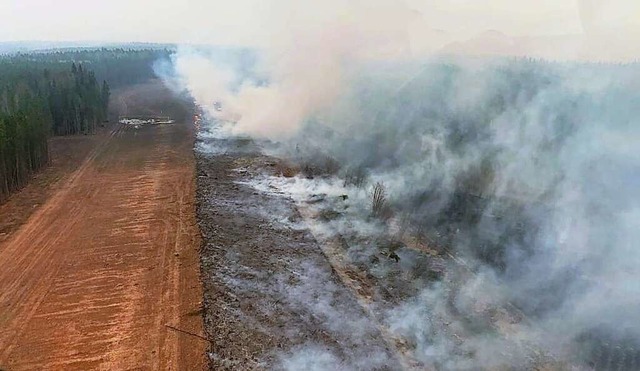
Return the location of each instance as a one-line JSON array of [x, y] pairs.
[[93, 277], [31, 252]]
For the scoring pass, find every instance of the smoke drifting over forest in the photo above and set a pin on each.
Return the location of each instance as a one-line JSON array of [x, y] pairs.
[[528, 169]]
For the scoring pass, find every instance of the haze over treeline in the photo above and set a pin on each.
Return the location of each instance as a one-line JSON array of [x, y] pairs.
[[556, 29]]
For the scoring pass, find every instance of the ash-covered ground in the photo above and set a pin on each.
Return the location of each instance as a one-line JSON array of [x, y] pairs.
[[272, 300], [296, 277]]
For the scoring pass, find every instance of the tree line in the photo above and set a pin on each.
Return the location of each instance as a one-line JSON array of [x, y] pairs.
[[38, 99], [59, 92], [119, 66]]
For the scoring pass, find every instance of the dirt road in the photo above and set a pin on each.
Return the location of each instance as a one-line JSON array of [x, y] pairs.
[[103, 273]]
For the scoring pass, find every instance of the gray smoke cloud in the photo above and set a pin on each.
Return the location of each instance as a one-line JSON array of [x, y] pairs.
[[527, 170], [534, 167]]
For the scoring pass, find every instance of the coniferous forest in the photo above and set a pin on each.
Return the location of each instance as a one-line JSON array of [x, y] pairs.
[[57, 93]]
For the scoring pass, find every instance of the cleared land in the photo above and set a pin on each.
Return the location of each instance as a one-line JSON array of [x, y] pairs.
[[67, 154], [102, 274]]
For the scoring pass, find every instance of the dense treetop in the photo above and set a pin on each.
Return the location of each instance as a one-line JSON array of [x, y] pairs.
[[118, 66]]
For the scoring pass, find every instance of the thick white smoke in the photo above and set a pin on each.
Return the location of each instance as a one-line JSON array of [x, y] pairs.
[[313, 53]]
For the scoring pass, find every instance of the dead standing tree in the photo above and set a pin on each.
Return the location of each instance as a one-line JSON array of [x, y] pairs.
[[379, 207]]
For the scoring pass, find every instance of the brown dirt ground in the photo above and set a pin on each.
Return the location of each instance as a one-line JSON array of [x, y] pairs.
[[67, 154], [102, 274]]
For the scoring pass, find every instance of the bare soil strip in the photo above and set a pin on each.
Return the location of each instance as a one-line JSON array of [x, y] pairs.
[[103, 273]]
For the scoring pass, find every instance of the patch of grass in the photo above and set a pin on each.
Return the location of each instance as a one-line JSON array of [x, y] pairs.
[[328, 215], [286, 169]]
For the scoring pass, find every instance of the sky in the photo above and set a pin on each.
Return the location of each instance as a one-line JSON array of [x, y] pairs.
[[429, 23]]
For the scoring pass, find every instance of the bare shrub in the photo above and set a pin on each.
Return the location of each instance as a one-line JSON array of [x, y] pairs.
[[331, 166], [423, 239], [323, 166], [379, 206], [309, 170], [355, 176]]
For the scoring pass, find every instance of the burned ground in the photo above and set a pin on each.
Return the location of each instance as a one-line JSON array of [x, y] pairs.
[[269, 290]]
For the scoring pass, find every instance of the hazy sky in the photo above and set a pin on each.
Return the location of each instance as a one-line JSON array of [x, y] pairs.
[[251, 22], [234, 21]]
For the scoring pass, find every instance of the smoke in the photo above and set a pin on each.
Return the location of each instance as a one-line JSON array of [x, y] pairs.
[[309, 56], [527, 170], [312, 55], [588, 11]]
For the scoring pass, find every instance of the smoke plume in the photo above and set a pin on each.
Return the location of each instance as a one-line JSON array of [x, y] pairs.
[[528, 170], [312, 55]]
